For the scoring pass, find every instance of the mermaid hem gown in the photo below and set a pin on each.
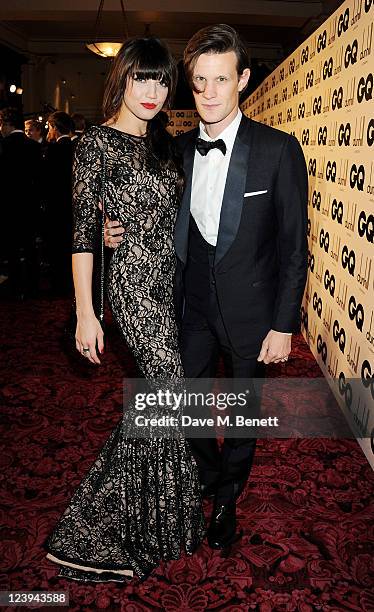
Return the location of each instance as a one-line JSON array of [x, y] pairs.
[[140, 501]]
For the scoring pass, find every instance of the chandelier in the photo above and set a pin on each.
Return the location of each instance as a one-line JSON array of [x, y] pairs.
[[106, 48]]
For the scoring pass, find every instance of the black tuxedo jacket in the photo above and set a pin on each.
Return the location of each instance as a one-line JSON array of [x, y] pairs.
[[20, 180], [261, 253]]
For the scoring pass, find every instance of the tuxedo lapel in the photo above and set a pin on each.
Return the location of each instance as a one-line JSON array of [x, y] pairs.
[[232, 201], [183, 219]]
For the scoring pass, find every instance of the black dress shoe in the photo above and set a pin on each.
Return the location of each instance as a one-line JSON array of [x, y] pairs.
[[222, 530], [208, 491]]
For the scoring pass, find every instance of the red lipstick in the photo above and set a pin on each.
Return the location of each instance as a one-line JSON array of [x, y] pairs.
[[148, 105]]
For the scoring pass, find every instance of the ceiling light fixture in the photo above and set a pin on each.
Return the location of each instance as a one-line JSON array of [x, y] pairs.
[[107, 48]]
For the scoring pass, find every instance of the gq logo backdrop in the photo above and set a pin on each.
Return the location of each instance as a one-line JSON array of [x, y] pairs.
[[181, 121], [323, 94]]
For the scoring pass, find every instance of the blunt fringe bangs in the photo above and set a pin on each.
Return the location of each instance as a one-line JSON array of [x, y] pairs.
[[147, 58]]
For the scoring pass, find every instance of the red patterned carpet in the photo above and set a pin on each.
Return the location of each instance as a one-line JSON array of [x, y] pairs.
[[306, 512]]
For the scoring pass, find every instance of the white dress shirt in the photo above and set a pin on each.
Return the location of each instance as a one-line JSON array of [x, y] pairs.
[[209, 180]]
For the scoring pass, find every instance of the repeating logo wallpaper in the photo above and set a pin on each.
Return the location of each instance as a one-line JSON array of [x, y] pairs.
[[323, 94]]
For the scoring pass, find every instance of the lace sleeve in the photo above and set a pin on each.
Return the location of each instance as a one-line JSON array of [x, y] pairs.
[[87, 170]]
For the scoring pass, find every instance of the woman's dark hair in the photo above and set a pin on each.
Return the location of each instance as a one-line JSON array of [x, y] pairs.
[[147, 58], [220, 38]]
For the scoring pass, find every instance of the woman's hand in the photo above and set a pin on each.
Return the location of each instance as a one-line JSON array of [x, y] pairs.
[[89, 332]]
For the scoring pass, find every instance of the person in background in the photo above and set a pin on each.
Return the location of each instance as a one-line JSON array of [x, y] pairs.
[[79, 126], [20, 180], [58, 198], [34, 130]]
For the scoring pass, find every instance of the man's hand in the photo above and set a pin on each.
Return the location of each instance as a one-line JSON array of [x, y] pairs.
[[113, 231], [275, 348]]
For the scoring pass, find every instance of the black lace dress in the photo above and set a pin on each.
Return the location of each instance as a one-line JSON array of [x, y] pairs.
[[140, 501]]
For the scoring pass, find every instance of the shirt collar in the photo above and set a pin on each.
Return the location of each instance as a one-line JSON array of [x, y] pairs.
[[229, 133], [63, 136]]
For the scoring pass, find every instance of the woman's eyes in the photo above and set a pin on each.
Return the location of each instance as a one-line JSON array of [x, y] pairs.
[[141, 80]]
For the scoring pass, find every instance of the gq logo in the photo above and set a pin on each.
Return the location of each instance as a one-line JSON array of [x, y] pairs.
[[350, 56], [329, 283], [367, 377], [348, 260], [309, 79], [295, 88], [370, 133], [322, 135], [343, 22], [337, 98], [338, 334], [366, 226], [356, 312], [331, 171], [310, 261], [291, 66], [322, 348], [305, 137], [324, 240], [337, 211], [321, 41], [327, 69], [357, 177], [317, 105], [317, 304], [305, 55], [312, 167], [301, 111], [345, 390], [365, 89], [304, 318], [344, 134]]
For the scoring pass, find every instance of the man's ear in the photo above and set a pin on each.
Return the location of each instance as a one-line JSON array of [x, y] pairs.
[[244, 78]]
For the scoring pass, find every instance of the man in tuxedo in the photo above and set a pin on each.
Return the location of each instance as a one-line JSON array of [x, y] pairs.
[[58, 166], [241, 243], [20, 180]]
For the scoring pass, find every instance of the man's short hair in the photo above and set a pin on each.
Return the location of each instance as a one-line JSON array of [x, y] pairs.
[[12, 116], [34, 123], [220, 38], [79, 121], [62, 122]]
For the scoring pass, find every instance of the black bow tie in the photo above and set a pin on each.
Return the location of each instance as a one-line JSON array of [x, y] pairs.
[[204, 146]]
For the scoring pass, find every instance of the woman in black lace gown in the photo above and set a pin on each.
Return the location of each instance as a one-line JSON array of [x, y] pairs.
[[140, 502]]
